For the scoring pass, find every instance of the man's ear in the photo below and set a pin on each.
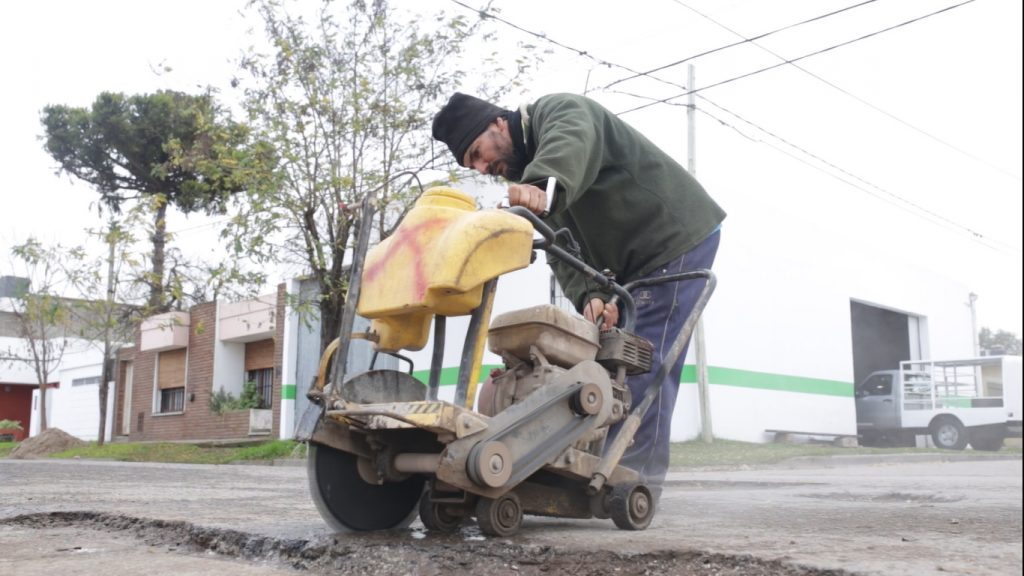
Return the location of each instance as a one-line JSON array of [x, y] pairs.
[[502, 123]]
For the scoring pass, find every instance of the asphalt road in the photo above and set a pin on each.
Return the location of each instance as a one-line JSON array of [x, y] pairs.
[[909, 516]]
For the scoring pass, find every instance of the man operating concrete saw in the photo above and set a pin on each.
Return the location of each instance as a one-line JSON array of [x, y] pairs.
[[631, 208]]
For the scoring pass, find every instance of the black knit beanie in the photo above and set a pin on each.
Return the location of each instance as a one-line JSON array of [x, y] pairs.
[[461, 120]]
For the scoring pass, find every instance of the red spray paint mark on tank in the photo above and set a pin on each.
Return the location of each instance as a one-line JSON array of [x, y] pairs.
[[405, 238]]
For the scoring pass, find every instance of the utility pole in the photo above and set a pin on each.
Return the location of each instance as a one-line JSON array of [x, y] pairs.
[[698, 336], [971, 299]]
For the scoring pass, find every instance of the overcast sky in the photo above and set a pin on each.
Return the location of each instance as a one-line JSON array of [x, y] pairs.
[[916, 130]]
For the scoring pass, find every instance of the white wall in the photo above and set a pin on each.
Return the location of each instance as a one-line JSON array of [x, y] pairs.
[[229, 367], [34, 422], [19, 372], [744, 414], [75, 409], [228, 362], [15, 372], [782, 307], [783, 299]]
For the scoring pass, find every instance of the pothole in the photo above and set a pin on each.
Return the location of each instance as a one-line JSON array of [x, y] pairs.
[[431, 555]]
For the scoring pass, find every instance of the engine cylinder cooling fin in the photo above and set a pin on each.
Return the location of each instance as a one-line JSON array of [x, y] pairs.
[[620, 348]]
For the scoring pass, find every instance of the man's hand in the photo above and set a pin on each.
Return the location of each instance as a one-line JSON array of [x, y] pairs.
[[529, 196], [597, 307]]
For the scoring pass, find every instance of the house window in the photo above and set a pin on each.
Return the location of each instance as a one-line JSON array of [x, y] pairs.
[[86, 381], [171, 381], [172, 400], [259, 369], [264, 380]]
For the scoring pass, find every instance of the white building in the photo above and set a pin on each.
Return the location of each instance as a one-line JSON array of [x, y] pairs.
[[72, 398], [73, 406]]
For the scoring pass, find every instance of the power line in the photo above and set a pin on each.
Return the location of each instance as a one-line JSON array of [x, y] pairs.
[[727, 46], [797, 59], [851, 180], [839, 88], [976, 236], [901, 202], [485, 15]]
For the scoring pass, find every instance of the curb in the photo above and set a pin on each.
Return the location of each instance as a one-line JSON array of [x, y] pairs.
[[840, 460]]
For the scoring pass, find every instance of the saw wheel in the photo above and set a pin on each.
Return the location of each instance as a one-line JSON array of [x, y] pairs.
[[631, 506], [350, 504], [501, 516]]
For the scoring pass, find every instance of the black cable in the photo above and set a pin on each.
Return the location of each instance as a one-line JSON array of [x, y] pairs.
[[903, 203], [744, 41], [797, 59], [846, 92], [974, 234]]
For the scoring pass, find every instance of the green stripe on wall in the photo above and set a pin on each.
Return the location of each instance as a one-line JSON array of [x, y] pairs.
[[716, 375], [766, 381], [450, 376], [288, 391]]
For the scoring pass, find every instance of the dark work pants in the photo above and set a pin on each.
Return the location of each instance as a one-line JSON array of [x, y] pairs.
[[661, 313]]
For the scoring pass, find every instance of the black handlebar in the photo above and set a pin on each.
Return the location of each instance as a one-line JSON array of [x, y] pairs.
[[547, 244], [620, 293]]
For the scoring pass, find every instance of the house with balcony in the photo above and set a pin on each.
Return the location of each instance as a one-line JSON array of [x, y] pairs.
[[180, 360]]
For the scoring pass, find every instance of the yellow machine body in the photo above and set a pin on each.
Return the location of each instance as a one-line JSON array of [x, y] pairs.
[[437, 262]]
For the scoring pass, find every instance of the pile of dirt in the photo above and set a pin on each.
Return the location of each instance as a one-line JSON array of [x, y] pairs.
[[52, 440]]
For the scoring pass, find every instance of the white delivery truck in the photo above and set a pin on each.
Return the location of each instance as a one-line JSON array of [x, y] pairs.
[[976, 401]]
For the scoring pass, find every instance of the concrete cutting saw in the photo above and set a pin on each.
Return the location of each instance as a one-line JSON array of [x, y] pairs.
[[383, 447]]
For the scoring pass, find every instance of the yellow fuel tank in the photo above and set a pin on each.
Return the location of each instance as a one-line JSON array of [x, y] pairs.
[[437, 262]]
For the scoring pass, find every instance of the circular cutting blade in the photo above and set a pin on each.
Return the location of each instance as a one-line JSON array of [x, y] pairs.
[[350, 504]]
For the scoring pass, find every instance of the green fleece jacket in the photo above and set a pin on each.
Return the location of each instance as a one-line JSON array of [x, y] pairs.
[[629, 205]]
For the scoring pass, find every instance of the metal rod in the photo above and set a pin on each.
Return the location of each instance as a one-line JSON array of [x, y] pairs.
[[684, 335], [472, 350], [632, 422], [355, 282], [438, 358], [411, 463]]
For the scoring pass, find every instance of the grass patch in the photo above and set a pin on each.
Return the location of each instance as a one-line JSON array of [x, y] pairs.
[[6, 447], [696, 453], [179, 453], [272, 451]]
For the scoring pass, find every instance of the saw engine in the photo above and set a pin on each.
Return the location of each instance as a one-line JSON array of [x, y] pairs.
[[382, 447], [539, 344]]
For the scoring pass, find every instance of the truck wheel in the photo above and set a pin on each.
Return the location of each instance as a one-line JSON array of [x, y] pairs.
[[986, 442], [949, 434]]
